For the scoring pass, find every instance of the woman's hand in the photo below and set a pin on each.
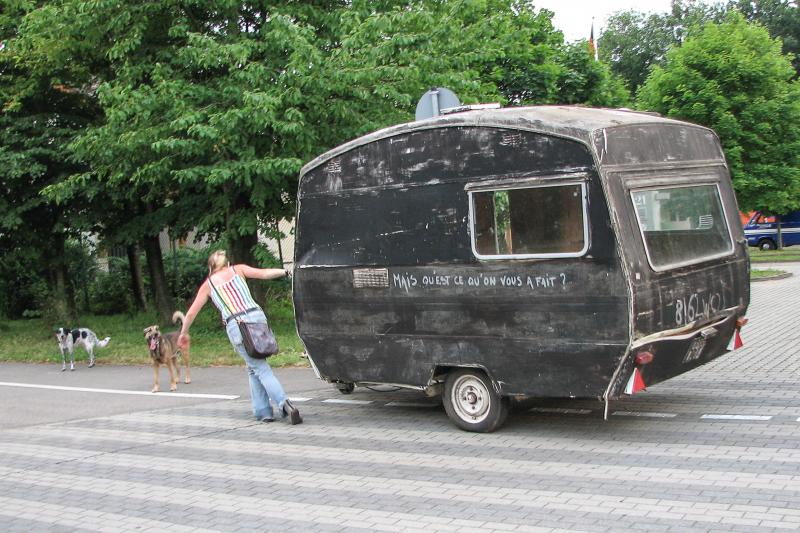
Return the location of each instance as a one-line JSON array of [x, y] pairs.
[[183, 341]]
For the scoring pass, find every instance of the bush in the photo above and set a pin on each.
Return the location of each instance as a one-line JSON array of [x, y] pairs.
[[22, 283], [185, 270], [110, 292]]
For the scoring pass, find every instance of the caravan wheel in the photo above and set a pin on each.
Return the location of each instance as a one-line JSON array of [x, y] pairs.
[[346, 388], [472, 403]]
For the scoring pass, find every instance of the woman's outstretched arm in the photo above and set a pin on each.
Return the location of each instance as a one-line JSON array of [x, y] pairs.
[[261, 273], [199, 301]]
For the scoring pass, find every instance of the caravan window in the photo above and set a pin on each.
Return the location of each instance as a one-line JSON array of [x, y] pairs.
[[530, 222], [682, 225]]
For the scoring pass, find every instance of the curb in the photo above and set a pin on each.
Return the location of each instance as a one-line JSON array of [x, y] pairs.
[[783, 275]]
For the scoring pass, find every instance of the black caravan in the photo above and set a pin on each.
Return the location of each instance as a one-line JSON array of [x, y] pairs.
[[520, 252]]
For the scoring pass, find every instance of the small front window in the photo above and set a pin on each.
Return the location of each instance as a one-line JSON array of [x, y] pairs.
[[682, 225], [531, 222]]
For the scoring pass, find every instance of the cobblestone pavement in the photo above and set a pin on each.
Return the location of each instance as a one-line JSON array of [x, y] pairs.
[[717, 449]]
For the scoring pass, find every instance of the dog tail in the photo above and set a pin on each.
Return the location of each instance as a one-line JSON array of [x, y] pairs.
[[103, 343], [177, 315]]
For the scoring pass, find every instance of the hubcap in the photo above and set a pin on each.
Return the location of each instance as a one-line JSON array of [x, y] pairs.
[[471, 399]]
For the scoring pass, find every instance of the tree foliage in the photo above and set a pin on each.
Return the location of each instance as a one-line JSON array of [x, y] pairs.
[[40, 117], [582, 80], [211, 108], [733, 78], [780, 17], [633, 42], [125, 118]]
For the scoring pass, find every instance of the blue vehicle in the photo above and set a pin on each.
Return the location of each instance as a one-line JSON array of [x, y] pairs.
[[762, 230]]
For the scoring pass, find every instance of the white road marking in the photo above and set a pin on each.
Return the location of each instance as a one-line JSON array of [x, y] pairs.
[[348, 402], [561, 410], [736, 417], [118, 391], [644, 414], [299, 399]]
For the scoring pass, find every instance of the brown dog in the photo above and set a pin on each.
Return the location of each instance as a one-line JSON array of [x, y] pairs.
[[164, 350]]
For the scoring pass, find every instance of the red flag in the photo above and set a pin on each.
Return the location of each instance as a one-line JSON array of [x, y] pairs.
[[736, 341], [635, 383]]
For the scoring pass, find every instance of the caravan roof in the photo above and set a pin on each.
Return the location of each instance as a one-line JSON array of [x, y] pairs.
[[580, 123]]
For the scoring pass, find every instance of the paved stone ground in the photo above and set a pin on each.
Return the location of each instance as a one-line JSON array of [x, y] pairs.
[[717, 449]]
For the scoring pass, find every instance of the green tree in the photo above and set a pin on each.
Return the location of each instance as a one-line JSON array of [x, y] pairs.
[[633, 42], [39, 117], [780, 17], [56, 41], [732, 77], [495, 50], [210, 108], [582, 80]]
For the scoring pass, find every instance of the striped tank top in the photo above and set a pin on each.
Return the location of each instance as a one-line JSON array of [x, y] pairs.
[[232, 297]]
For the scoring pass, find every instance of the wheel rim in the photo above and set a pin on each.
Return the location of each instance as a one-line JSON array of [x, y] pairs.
[[471, 399]]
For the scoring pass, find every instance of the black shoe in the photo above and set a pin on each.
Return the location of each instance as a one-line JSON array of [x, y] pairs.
[[268, 419], [291, 411]]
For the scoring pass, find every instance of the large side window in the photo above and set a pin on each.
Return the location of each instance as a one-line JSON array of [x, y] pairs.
[[530, 222], [682, 225]]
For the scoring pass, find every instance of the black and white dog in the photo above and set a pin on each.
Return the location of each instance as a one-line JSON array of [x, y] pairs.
[[69, 339]]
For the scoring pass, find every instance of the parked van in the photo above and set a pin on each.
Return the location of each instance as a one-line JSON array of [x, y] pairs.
[[515, 253], [762, 230]]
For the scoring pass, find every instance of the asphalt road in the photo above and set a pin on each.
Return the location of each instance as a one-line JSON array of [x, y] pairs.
[[716, 449], [129, 388]]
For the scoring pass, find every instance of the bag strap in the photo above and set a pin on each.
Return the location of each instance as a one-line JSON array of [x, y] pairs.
[[232, 315], [230, 311]]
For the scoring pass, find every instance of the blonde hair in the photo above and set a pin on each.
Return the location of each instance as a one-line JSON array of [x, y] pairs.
[[217, 261]]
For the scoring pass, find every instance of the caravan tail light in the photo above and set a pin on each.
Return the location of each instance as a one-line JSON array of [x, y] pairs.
[[643, 358]]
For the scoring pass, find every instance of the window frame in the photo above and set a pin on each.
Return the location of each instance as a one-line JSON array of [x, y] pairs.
[[477, 188], [681, 264]]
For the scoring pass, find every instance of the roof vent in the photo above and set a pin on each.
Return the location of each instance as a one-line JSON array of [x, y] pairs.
[[469, 107], [628, 110]]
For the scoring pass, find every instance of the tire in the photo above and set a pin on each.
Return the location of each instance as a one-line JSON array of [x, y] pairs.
[[767, 244], [346, 388], [471, 401]]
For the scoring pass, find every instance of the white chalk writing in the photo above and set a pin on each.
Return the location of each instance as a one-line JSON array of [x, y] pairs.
[[404, 281], [696, 306], [424, 280]]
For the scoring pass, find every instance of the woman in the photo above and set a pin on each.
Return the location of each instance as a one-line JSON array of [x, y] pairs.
[[228, 290]]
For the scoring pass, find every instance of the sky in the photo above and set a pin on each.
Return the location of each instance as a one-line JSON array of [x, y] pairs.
[[574, 17]]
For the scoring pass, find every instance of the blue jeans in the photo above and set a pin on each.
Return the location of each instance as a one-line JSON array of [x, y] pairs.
[[264, 386]]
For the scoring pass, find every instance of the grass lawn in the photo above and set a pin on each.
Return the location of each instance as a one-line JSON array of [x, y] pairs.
[[34, 341], [757, 273], [792, 253]]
